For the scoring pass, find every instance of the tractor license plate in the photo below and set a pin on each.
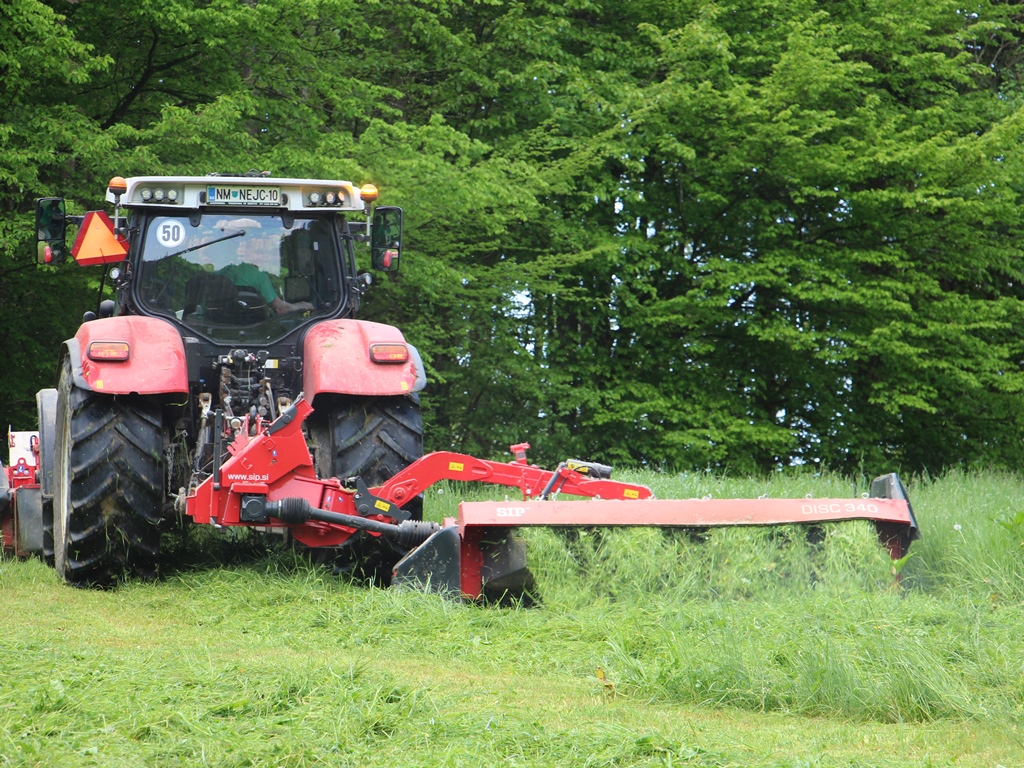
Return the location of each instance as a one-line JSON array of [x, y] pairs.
[[229, 195]]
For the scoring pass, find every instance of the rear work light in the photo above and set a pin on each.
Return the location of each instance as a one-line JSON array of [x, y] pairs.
[[389, 353], [329, 197], [108, 350], [158, 195]]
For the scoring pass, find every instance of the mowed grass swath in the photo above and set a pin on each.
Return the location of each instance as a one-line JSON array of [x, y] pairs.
[[721, 647]]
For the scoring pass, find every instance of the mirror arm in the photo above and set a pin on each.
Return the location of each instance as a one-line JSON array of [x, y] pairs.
[[117, 213], [123, 276]]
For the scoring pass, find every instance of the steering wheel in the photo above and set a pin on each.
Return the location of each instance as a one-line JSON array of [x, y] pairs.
[[252, 304]]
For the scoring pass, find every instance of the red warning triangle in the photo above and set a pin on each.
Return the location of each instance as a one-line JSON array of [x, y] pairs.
[[96, 242]]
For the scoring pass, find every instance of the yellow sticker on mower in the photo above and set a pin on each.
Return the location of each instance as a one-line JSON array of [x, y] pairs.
[[456, 466], [629, 493], [383, 506]]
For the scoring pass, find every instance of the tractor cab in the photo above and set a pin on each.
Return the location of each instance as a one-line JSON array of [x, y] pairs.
[[230, 258], [241, 276]]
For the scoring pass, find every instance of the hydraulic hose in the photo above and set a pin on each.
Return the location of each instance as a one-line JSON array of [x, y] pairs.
[[296, 511]]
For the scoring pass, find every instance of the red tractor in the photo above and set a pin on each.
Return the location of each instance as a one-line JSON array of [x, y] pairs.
[[234, 294], [229, 382]]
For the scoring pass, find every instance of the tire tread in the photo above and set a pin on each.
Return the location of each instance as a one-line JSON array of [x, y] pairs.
[[115, 467]]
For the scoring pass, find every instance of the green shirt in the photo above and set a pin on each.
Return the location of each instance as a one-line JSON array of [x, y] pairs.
[[250, 276]]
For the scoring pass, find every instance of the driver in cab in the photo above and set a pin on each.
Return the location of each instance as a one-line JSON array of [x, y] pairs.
[[256, 257]]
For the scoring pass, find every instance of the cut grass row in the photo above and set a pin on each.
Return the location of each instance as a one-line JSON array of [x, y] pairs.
[[745, 647]]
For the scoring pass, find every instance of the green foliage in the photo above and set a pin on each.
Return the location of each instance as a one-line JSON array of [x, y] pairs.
[[42, 138], [738, 235]]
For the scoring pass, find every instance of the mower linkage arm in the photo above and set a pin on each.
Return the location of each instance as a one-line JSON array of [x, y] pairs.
[[272, 472], [574, 478]]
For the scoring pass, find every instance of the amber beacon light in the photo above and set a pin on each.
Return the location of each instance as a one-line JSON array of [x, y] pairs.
[[368, 192]]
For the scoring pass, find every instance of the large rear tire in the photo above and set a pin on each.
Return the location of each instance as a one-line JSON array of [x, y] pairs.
[[108, 486], [373, 438]]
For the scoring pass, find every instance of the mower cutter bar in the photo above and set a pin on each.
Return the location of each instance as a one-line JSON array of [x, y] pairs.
[[490, 558], [689, 513], [269, 481]]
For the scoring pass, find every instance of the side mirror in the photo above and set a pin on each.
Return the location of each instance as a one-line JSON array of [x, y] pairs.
[[386, 240], [51, 227]]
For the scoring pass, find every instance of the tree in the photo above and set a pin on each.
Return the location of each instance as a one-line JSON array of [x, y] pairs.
[[744, 234], [794, 238], [41, 137]]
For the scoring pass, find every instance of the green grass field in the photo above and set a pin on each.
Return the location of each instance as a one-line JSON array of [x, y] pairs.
[[744, 648]]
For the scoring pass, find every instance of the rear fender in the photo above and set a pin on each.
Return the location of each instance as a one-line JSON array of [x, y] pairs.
[[336, 355], [156, 362]]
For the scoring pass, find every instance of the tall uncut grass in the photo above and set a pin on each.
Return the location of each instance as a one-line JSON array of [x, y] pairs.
[[814, 622]]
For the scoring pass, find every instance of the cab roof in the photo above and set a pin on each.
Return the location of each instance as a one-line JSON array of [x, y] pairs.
[[227, 193]]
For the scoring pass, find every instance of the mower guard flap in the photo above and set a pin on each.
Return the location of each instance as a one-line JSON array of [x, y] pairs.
[[441, 563], [433, 565]]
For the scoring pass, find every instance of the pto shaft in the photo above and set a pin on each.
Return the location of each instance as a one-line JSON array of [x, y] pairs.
[[296, 511]]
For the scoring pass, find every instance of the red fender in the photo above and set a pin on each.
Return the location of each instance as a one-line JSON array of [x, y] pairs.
[[155, 364], [337, 359]]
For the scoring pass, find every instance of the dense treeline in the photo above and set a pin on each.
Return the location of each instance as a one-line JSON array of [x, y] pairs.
[[735, 234]]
